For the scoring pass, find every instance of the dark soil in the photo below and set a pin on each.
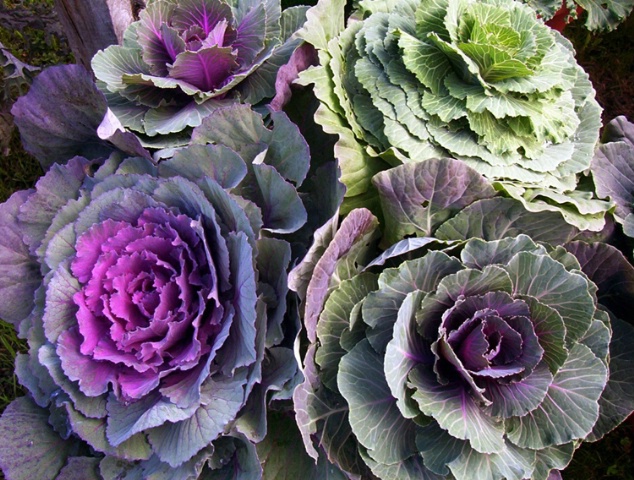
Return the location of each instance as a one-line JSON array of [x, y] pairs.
[[609, 60]]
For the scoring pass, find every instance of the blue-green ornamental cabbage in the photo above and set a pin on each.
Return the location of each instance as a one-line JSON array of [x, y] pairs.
[[154, 301], [482, 81], [489, 359], [184, 58]]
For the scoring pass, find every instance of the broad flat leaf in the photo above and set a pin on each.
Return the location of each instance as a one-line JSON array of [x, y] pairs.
[[335, 319], [619, 129], [570, 409], [482, 219], [380, 308], [170, 119], [552, 459], [70, 128], [354, 227], [324, 22], [240, 348], [455, 410], [151, 411], [206, 68], [374, 416], [412, 468], [405, 350], [613, 172], [541, 277], [417, 198], [214, 161], [282, 208], [323, 414], [617, 401], [177, 442], [20, 273], [605, 15], [30, 447]]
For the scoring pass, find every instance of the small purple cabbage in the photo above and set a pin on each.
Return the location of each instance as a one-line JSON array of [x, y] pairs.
[[184, 58]]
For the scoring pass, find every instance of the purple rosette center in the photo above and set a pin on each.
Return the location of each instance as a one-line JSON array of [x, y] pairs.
[[487, 339], [147, 305]]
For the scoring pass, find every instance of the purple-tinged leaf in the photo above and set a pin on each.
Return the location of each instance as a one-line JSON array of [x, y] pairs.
[[70, 128], [160, 45], [455, 410], [417, 197], [617, 401], [240, 348], [570, 408], [80, 468], [405, 350], [20, 275], [518, 398], [390, 437], [282, 208], [30, 448], [613, 172], [608, 268], [207, 69], [619, 129], [175, 443], [250, 36], [302, 58], [202, 13], [482, 219], [354, 227]]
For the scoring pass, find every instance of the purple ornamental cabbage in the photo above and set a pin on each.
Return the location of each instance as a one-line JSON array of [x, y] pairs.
[[482, 359], [184, 58], [153, 299]]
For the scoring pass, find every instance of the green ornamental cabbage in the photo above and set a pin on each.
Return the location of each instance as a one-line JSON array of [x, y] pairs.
[[485, 82], [480, 359]]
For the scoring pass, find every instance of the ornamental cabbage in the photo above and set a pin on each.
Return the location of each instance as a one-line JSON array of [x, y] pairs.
[[606, 15], [154, 301], [485, 82], [489, 359], [613, 170], [184, 58]]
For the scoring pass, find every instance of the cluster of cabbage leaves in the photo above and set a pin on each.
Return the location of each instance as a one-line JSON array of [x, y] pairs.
[[184, 58], [489, 356], [482, 81]]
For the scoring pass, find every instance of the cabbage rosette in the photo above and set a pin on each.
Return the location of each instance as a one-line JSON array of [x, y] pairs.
[[184, 58], [154, 302], [482, 81], [488, 359]]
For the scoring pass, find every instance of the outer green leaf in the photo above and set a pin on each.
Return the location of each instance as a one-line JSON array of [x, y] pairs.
[[404, 351], [617, 401], [548, 281], [335, 319], [374, 417], [455, 410], [482, 219], [570, 408]]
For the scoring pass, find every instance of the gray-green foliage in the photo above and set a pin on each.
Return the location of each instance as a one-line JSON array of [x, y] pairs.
[[482, 81]]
